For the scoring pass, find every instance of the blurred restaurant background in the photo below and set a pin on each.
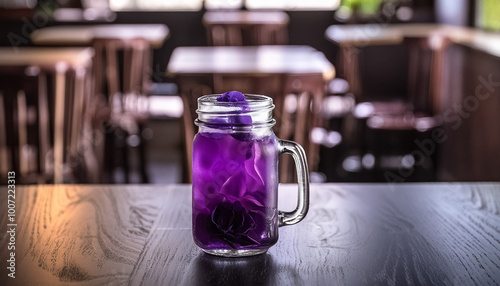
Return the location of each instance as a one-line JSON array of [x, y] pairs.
[[104, 91]]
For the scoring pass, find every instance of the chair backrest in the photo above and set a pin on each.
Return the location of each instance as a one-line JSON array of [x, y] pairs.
[[20, 145], [301, 113], [245, 28], [122, 67]]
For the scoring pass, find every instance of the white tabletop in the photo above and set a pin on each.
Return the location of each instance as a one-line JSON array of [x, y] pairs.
[[156, 34], [254, 60], [246, 17], [45, 56]]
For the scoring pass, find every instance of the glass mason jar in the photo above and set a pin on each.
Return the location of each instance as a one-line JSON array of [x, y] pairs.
[[235, 177]]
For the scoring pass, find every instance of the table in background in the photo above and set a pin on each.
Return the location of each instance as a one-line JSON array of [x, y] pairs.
[[51, 92], [351, 38], [471, 57], [275, 71], [123, 90], [156, 34], [246, 28], [354, 234], [135, 40]]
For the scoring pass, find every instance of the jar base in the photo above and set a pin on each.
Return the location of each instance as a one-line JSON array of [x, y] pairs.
[[235, 252]]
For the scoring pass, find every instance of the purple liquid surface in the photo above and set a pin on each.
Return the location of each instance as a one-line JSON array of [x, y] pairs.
[[235, 191]]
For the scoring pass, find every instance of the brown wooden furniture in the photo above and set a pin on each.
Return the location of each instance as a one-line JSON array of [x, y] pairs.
[[417, 111], [354, 234], [351, 38], [246, 28], [126, 91], [270, 70], [46, 104], [426, 56], [122, 76]]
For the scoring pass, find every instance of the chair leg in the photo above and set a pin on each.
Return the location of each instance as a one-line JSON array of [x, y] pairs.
[[23, 133], [124, 155], [142, 157], [59, 126], [4, 152], [43, 122], [109, 154], [112, 69], [188, 139]]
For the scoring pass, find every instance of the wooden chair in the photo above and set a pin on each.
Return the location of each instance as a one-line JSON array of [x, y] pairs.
[[246, 28], [301, 114], [125, 96], [45, 118], [390, 128]]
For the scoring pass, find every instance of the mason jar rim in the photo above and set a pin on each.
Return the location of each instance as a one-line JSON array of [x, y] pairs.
[[253, 103], [252, 100], [259, 107]]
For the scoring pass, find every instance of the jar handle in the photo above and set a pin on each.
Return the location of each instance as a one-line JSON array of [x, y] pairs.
[[299, 156]]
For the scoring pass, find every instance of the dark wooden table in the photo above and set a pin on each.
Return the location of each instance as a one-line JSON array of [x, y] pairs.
[[354, 234]]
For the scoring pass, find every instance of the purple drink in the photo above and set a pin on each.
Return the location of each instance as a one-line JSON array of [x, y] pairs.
[[235, 176], [234, 181], [234, 196]]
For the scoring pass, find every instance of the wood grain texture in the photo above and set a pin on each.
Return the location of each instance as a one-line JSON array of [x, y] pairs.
[[83, 235], [354, 234]]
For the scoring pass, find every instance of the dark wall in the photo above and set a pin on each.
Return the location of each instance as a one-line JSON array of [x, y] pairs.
[[470, 108]]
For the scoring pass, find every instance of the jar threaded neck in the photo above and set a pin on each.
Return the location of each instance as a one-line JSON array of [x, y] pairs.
[[255, 112]]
